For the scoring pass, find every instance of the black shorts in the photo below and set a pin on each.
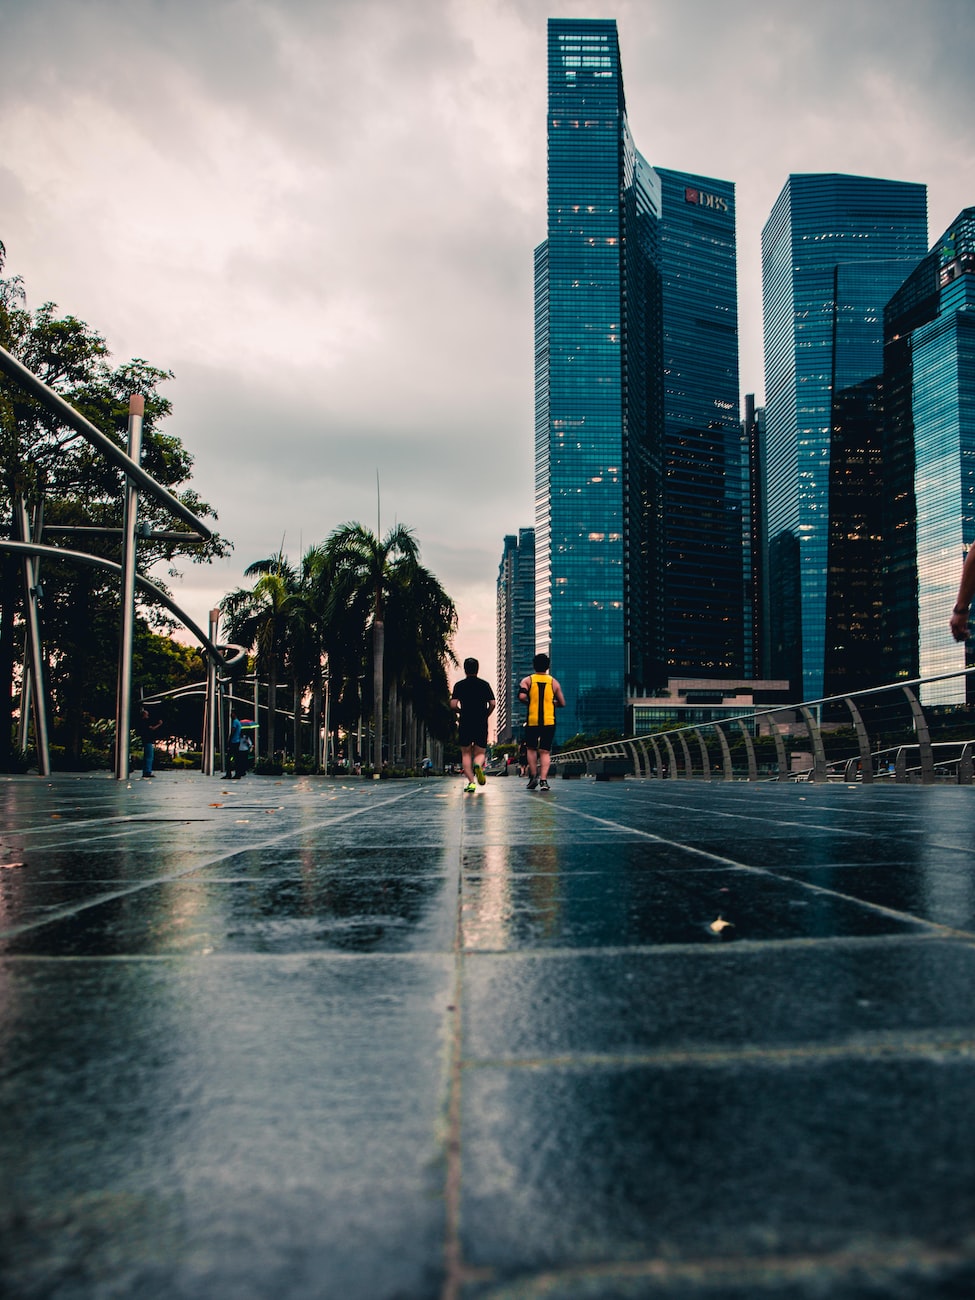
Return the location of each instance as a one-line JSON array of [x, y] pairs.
[[472, 733], [539, 737]]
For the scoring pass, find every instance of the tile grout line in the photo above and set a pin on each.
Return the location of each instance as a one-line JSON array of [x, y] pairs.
[[936, 927], [456, 1272], [170, 877], [453, 1258]]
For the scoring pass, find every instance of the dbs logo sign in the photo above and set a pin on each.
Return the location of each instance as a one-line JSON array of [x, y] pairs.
[[701, 200]]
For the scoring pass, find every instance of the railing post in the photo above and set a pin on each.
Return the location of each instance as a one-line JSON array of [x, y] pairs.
[[729, 771], [815, 736], [780, 755], [749, 751], [688, 765], [923, 737], [658, 757], [672, 764], [705, 761], [965, 765], [641, 764], [863, 741]]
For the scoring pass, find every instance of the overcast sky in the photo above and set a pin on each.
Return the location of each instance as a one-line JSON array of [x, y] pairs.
[[320, 214]]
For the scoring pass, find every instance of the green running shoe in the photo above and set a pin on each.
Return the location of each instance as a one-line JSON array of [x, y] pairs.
[[470, 787], [479, 774]]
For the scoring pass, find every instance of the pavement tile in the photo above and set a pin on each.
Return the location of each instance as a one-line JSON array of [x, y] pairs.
[[570, 1167], [638, 906], [222, 1128], [529, 1006], [305, 1038]]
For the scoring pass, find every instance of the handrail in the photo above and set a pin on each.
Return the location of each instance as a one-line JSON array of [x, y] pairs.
[[145, 584], [55, 402], [860, 761]]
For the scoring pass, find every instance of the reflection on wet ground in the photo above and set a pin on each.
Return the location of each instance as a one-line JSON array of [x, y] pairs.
[[383, 1039]]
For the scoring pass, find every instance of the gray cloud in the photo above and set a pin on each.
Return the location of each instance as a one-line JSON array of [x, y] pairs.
[[321, 216]]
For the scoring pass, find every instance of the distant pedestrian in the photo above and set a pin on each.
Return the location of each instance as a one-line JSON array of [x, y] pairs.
[[542, 695], [147, 734], [233, 747], [244, 754], [473, 699]]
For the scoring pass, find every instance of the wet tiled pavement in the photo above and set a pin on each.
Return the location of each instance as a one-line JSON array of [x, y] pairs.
[[319, 1038]]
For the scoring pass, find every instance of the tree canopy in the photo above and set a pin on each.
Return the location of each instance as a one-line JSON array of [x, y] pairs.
[[66, 483]]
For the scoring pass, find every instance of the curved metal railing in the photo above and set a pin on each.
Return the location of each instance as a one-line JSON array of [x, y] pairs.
[[874, 735]]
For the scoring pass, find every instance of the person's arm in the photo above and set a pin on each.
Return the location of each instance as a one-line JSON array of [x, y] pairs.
[[492, 703], [523, 689], [557, 695], [966, 590]]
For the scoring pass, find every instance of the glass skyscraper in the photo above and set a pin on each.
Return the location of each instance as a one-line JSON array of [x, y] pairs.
[[704, 474], [637, 453], [834, 250], [515, 627], [929, 382]]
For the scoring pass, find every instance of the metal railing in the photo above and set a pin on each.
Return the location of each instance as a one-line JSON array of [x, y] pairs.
[[884, 734]]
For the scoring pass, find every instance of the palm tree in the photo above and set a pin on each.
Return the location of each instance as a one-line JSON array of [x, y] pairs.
[[259, 617], [364, 573], [421, 621]]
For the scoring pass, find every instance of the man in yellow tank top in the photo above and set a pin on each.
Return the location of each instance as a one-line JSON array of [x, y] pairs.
[[543, 695]]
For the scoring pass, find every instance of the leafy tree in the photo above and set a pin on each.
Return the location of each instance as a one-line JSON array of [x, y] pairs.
[[65, 482]]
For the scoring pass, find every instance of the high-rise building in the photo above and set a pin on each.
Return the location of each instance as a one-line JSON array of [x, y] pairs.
[[929, 457], [755, 545], [637, 453], [704, 482], [515, 627], [834, 250]]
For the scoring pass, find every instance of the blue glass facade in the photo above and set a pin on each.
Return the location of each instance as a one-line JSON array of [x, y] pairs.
[[637, 443], [704, 471], [929, 375], [516, 628], [579, 397], [834, 250]]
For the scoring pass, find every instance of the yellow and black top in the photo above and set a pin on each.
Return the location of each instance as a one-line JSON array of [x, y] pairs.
[[541, 701]]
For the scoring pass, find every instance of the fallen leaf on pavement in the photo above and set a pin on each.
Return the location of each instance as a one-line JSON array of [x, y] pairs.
[[720, 924]]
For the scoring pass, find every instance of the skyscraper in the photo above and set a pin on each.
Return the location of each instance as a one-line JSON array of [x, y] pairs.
[[636, 402], [704, 480], [834, 249], [515, 627], [929, 453], [755, 547]]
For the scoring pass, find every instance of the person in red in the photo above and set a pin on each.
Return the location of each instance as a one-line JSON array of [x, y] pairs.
[[543, 695], [473, 699]]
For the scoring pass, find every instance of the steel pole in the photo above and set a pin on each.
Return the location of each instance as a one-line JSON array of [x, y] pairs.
[[31, 570], [114, 454], [206, 762], [123, 694]]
